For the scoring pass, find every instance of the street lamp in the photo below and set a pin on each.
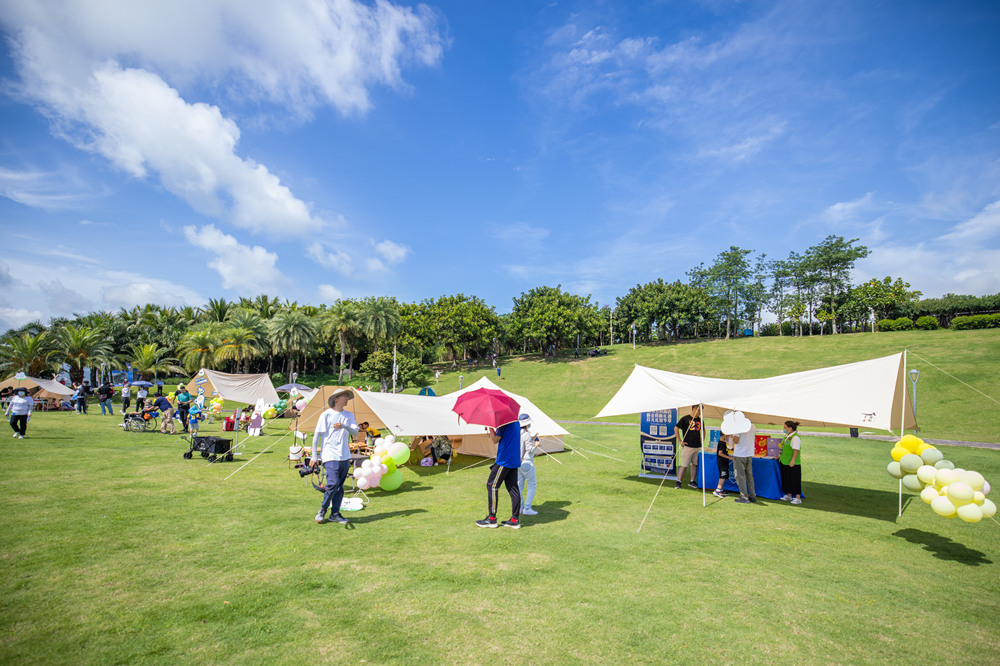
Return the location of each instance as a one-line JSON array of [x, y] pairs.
[[914, 376], [460, 378]]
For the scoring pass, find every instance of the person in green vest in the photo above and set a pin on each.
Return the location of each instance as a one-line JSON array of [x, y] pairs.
[[790, 463]]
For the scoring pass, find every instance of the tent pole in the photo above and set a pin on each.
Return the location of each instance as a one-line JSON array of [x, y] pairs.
[[704, 496], [902, 421]]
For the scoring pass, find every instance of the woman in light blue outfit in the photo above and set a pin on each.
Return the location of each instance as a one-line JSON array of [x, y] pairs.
[[526, 480]]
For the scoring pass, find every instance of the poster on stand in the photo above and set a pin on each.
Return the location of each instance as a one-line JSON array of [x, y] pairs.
[[658, 444]]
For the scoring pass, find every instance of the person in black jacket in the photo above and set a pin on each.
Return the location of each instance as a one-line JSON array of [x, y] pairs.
[[104, 394]]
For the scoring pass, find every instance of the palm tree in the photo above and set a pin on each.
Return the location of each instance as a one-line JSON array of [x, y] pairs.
[[341, 320], [197, 347], [379, 319], [292, 333], [30, 354], [82, 346], [247, 318], [238, 345], [216, 310], [151, 359], [266, 306]]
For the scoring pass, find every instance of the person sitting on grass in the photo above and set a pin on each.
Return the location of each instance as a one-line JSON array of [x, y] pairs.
[[441, 450]]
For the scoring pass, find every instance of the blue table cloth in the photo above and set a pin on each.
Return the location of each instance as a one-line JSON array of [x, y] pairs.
[[766, 476]]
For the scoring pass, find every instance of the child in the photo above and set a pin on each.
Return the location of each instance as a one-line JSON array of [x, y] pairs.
[[195, 416], [724, 455]]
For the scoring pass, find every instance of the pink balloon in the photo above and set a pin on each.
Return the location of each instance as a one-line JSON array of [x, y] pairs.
[[384, 468]]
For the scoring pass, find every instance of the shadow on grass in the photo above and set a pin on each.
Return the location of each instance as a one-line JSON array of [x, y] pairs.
[[944, 548], [875, 504], [372, 517], [548, 512]]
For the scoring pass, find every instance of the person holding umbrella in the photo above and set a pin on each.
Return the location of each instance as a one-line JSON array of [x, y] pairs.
[[508, 461]]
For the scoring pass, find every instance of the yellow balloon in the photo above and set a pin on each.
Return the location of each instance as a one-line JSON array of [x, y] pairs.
[[989, 509], [911, 443], [928, 494], [924, 446], [897, 453], [944, 477], [970, 513], [942, 506], [960, 493], [926, 474], [974, 479], [979, 498]]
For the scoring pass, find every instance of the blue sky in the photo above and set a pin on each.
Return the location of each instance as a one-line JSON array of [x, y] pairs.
[[311, 150]]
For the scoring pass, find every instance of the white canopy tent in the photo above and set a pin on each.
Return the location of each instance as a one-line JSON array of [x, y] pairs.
[[866, 394], [47, 388], [246, 389]]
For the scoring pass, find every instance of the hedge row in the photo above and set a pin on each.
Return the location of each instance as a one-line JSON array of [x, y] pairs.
[[976, 321]]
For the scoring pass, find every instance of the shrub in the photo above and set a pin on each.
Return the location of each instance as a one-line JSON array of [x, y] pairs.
[[902, 324], [884, 324], [927, 323], [975, 321], [769, 329]]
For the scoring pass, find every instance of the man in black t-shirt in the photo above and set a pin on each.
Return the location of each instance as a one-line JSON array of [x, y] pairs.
[[688, 431]]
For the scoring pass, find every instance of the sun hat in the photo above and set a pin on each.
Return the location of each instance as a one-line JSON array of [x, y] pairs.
[[339, 392], [524, 420]]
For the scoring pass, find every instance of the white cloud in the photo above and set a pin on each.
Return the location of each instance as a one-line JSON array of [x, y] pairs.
[[336, 259], [847, 211], [110, 79], [65, 301], [393, 253], [249, 270], [6, 279], [328, 293], [17, 317], [375, 265], [984, 226], [129, 290], [48, 190]]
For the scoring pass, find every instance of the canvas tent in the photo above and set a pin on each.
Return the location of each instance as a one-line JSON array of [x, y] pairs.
[[414, 415], [866, 394], [246, 389], [47, 388]]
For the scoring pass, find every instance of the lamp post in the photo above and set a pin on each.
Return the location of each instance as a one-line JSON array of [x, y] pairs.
[[460, 378], [914, 376]]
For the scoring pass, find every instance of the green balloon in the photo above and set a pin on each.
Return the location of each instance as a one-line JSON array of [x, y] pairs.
[[894, 470], [910, 463], [931, 456], [926, 474], [400, 453], [391, 481], [912, 483], [944, 464]]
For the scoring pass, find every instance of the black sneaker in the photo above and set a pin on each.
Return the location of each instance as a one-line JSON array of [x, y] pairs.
[[489, 521], [513, 523], [337, 518], [741, 500], [677, 486], [692, 484]]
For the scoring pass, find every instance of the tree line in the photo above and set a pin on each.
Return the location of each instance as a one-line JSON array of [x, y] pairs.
[[808, 294]]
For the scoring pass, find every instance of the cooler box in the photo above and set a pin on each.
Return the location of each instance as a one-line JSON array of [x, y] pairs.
[[227, 423]]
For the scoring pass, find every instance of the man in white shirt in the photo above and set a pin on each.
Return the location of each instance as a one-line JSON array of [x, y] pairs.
[[331, 445], [743, 464]]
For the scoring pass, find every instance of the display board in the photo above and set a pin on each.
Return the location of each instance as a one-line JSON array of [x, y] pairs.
[[658, 444]]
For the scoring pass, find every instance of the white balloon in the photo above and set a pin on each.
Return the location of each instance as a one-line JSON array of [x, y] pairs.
[[389, 439], [986, 488], [384, 469]]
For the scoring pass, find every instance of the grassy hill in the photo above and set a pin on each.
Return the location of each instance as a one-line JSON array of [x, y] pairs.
[[946, 408]]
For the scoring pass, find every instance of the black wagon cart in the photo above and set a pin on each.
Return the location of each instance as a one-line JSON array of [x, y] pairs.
[[212, 448]]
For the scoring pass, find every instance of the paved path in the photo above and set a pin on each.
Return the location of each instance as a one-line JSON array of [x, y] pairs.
[[881, 438]]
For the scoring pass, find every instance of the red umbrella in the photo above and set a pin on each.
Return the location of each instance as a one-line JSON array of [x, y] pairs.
[[488, 407]]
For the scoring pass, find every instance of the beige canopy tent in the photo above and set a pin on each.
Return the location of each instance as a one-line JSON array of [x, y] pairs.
[[408, 415], [245, 389], [47, 388], [866, 394], [319, 402]]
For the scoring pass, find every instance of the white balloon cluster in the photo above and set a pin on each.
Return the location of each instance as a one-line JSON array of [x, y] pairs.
[[950, 491], [381, 469]]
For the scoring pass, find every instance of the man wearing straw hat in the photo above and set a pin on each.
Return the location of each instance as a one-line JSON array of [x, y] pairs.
[[331, 444]]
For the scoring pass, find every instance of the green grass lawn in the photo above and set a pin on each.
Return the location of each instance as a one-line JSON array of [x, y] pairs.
[[117, 550]]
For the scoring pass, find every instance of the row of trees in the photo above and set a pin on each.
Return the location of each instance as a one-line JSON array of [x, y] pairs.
[[808, 293]]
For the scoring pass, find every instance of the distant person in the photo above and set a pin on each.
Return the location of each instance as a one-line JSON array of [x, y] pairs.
[[527, 481], [441, 450], [104, 395], [688, 433], [85, 390], [166, 414], [195, 417], [331, 444], [140, 398], [19, 408], [723, 457], [504, 470], [498, 372], [126, 395], [743, 465], [790, 463], [437, 376], [184, 400]]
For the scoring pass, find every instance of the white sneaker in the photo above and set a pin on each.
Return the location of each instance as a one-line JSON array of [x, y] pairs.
[[797, 501], [786, 497], [529, 512], [16, 434], [321, 517]]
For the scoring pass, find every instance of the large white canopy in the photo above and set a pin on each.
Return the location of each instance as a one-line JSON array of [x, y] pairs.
[[867, 394], [48, 387], [238, 388]]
